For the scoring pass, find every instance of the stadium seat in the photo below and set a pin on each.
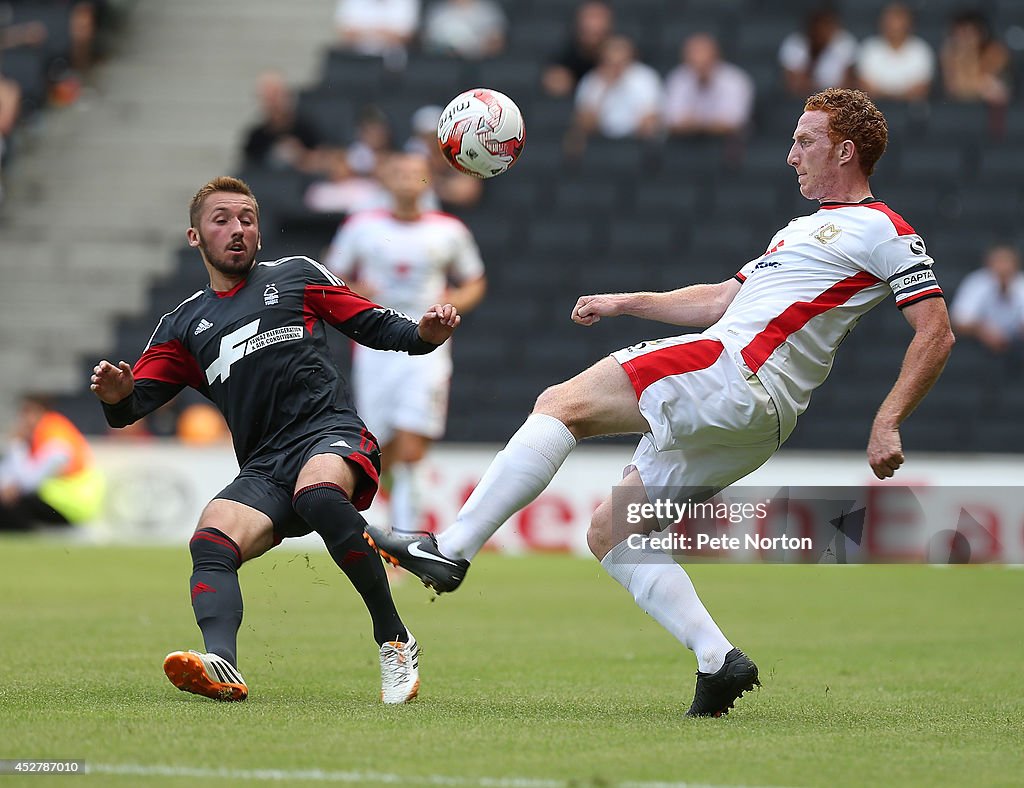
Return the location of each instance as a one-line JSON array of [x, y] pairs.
[[56, 17], [1008, 12], [691, 156], [758, 40], [540, 37], [517, 77], [933, 163], [27, 67], [351, 74], [1002, 163], [950, 123], [641, 237], [556, 233], [583, 197], [996, 204], [672, 200], [432, 80], [616, 157], [331, 113]]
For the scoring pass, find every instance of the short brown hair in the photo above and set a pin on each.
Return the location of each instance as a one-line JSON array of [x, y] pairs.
[[853, 116], [222, 183]]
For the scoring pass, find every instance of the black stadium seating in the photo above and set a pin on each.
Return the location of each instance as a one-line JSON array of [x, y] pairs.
[[629, 216]]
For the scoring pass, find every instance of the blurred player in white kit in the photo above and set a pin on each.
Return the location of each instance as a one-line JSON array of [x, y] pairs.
[[405, 257]]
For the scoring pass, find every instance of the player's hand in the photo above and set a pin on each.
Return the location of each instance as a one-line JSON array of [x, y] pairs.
[[885, 450], [112, 384], [591, 308], [439, 323]]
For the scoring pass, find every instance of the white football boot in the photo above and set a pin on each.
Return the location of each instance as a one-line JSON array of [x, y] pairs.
[[399, 671]]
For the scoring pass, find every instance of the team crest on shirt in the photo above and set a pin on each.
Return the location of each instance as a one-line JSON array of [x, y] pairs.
[[270, 295], [827, 233]]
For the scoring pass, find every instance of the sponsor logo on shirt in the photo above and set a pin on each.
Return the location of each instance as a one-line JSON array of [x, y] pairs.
[[245, 340]]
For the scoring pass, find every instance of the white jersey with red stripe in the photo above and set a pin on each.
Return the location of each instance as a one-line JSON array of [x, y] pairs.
[[799, 299], [406, 264]]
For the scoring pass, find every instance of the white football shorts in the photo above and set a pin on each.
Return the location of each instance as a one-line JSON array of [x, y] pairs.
[[711, 422], [396, 391]]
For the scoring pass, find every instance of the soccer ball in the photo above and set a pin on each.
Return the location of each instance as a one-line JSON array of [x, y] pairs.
[[481, 132]]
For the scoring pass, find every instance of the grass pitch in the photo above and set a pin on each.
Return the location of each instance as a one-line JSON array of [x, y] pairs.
[[539, 673]]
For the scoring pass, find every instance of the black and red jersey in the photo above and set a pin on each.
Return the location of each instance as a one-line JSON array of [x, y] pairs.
[[259, 353]]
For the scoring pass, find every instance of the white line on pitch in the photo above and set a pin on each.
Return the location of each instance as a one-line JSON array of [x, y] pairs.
[[319, 775]]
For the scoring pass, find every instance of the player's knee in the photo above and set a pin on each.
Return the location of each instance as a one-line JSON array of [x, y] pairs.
[[211, 548], [326, 508], [599, 535], [558, 402]]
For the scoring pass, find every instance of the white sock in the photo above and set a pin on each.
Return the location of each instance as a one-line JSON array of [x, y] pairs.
[[405, 497], [517, 475], [663, 589]]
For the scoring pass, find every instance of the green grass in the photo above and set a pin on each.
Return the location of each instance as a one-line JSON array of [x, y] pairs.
[[540, 668]]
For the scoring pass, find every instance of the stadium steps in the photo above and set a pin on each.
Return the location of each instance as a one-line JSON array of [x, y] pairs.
[[97, 197]]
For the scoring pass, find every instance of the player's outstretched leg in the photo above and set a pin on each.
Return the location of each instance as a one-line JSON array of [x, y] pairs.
[[327, 510], [517, 475], [418, 553], [662, 588], [205, 674], [598, 401]]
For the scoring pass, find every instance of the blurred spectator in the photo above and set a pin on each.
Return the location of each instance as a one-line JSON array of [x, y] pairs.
[[989, 304], [821, 56], [373, 141], [10, 106], [12, 36], [467, 28], [975, 64], [352, 182], [344, 190], [47, 474], [82, 35], [620, 98], [593, 26], [281, 138], [377, 27], [896, 64], [453, 188], [704, 94]]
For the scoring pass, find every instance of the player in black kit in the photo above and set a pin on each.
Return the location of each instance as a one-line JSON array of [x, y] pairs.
[[254, 343]]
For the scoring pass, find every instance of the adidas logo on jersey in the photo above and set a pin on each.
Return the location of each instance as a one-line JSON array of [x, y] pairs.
[[203, 325]]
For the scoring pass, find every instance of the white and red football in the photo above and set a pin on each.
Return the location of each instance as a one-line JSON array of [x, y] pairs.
[[481, 132]]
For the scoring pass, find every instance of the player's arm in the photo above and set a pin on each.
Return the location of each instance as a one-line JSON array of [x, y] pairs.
[[467, 281], [466, 296], [699, 306], [128, 394], [925, 357], [378, 327]]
